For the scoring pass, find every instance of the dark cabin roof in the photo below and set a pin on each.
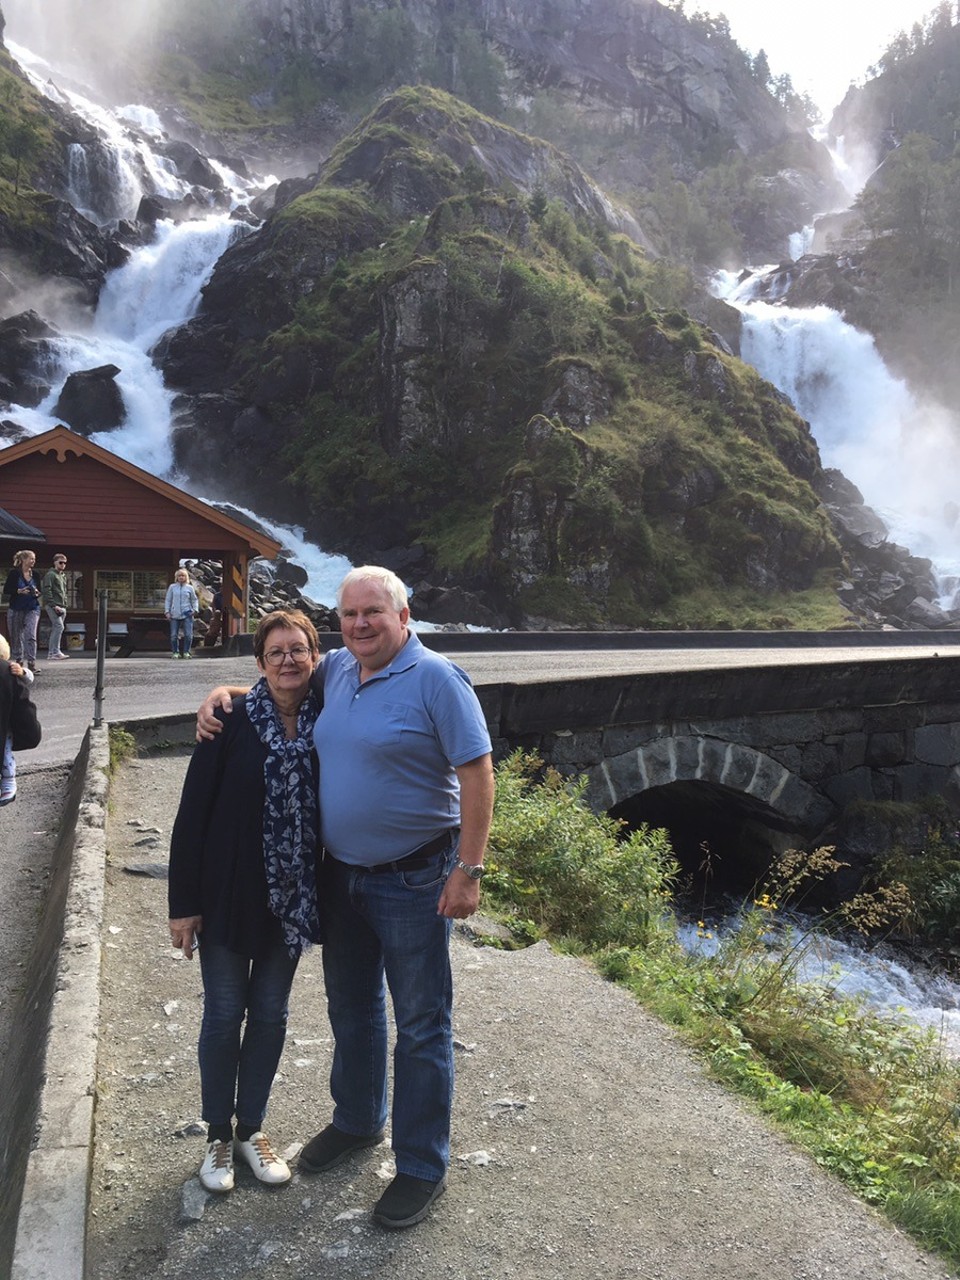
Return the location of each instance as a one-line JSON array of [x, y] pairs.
[[13, 529]]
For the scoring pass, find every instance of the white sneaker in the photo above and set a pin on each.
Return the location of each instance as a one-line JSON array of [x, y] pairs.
[[263, 1160], [8, 791], [216, 1172]]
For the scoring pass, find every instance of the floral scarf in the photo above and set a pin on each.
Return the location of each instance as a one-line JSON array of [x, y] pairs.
[[290, 817]]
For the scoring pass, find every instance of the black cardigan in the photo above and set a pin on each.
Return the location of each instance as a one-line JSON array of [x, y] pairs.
[[18, 715], [216, 849], [11, 589]]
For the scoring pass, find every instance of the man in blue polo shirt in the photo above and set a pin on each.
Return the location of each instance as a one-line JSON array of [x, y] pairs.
[[406, 799]]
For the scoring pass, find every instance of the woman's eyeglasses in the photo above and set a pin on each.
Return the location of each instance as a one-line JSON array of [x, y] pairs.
[[275, 657]]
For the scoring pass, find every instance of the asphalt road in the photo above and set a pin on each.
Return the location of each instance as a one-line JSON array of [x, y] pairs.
[[152, 685]]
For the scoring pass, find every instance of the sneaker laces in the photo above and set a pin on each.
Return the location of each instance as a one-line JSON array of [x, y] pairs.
[[222, 1153], [266, 1153]]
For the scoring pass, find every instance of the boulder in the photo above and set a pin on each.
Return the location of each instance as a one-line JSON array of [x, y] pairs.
[[191, 166], [581, 398], [91, 401], [452, 606]]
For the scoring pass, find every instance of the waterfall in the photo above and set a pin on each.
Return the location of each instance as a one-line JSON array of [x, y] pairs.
[[160, 285], [903, 453], [156, 290], [800, 242]]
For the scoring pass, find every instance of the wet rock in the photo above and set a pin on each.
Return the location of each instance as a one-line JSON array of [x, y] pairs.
[[24, 353], [91, 401]]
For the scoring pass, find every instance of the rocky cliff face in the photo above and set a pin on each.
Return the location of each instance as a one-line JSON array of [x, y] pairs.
[[445, 342], [624, 85], [623, 61], [634, 73]]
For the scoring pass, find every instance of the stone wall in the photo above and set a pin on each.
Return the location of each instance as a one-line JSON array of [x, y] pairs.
[[799, 742]]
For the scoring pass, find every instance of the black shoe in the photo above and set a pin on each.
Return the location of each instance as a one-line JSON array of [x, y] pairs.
[[332, 1145], [407, 1200]]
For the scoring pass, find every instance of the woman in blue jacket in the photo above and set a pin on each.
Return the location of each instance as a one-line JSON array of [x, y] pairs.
[[180, 606]]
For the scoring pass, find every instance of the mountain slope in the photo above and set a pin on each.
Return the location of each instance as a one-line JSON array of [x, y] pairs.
[[434, 357]]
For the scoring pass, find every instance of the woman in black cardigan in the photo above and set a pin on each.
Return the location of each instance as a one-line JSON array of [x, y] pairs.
[[243, 889], [22, 592]]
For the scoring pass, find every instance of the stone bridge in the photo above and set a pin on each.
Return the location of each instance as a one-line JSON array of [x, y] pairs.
[[768, 753]]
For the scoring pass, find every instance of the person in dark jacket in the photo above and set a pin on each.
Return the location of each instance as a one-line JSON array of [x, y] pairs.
[[19, 726], [242, 888], [22, 593]]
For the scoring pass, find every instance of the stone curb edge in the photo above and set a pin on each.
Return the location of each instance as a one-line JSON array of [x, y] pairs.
[[51, 1228]]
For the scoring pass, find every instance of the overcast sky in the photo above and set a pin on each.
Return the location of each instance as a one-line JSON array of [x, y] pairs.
[[822, 44]]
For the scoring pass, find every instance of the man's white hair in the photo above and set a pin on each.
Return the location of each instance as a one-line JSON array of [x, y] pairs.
[[385, 578]]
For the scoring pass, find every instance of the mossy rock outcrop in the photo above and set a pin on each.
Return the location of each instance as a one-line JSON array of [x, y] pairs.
[[493, 375]]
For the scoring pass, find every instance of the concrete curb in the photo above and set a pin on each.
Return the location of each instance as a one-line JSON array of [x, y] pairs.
[[51, 1229]]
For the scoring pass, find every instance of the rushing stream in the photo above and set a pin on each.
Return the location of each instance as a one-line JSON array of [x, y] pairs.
[[879, 975]]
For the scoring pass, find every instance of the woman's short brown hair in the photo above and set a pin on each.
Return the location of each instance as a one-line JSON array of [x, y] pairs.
[[284, 618]]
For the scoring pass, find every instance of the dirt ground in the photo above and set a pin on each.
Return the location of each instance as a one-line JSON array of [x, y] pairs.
[[588, 1143]]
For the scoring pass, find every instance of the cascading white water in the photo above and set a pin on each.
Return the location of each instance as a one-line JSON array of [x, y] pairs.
[[878, 976], [903, 454], [109, 174], [160, 285], [157, 290], [800, 242]]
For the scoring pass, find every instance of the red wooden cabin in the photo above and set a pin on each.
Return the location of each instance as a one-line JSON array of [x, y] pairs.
[[121, 529]]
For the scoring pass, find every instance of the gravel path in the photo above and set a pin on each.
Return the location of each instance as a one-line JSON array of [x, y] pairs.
[[588, 1143]]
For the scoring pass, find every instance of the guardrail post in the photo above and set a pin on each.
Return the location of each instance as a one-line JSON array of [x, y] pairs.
[[102, 599]]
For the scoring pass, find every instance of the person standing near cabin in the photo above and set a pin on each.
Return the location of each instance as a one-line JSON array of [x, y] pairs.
[[53, 597], [22, 591], [180, 606]]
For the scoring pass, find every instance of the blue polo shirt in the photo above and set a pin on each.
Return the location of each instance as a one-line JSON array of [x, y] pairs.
[[388, 752]]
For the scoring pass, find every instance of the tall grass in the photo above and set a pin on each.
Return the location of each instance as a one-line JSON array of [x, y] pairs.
[[874, 1099]]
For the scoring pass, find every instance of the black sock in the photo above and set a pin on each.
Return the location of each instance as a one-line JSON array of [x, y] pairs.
[[246, 1131], [220, 1133]]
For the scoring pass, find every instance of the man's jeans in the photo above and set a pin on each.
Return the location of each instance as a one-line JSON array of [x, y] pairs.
[[175, 625], [236, 1074], [57, 623], [380, 924]]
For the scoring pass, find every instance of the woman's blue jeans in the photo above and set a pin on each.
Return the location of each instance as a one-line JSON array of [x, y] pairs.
[[175, 625], [385, 925], [236, 1071]]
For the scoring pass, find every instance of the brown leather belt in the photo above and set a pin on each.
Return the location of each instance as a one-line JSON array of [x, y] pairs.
[[420, 857]]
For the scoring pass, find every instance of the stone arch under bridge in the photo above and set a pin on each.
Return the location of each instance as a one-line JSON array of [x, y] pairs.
[[791, 803]]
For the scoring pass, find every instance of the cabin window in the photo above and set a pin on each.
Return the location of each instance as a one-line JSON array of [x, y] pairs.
[[133, 590]]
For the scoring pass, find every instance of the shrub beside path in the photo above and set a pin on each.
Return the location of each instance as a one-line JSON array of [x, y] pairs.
[[588, 1142]]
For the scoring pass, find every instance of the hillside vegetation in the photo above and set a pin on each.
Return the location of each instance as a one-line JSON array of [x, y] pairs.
[[519, 391]]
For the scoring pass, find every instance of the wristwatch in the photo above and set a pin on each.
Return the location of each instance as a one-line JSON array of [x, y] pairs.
[[474, 872]]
